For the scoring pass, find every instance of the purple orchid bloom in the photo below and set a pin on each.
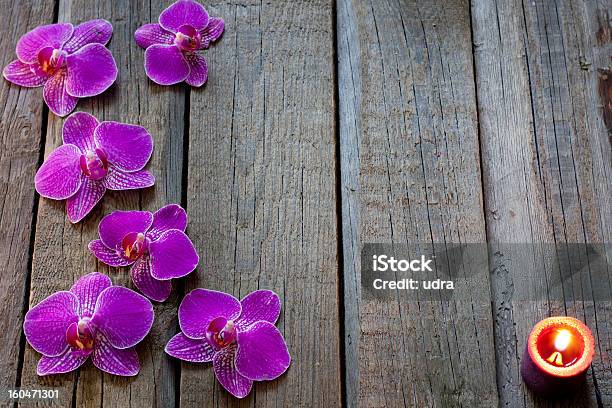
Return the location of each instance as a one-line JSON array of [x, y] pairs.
[[239, 337], [154, 244], [94, 157], [71, 62], [93, 319], [171, 46]]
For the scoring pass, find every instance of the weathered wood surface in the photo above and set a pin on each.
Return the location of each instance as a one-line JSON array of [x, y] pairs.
[[262, 190], [326, 125], [541, 74], [410, 174], [21, 130], [60, 250]]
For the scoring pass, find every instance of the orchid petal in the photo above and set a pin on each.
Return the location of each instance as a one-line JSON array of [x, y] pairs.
[[79, 130], [154, 289], [212, 32], [20, 74], [56, 96], [150, 34], [165, 64], [259, 305], [128, 147], [198, 70], [114, 361], [90, 32], [87, 289], [172, 255], [184, 12], [186, 349], [263, 353], [117, 179], [172, 216], [70, 360], [59, 177], [80, 204], [124, 316], [115, 226], [46, 323], [90, 71], [227, 374], [51, 35], [107, 255], [201, 306]]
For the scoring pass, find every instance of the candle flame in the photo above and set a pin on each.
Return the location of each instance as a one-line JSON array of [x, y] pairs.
[[562, 340]]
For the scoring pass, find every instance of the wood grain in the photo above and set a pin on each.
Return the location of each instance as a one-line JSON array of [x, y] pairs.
[[427, 92], [21, 132], [349, 127], [261, 190], [547, 167], [410, 174], [60, 250]]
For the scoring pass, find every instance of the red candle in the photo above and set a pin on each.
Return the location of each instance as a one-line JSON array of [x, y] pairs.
[[559, 350]]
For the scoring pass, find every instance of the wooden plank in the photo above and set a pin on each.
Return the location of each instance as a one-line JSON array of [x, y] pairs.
[[541, 69], [349, 128], [21, 131], [410, 174], [60, 251], [261, 189]]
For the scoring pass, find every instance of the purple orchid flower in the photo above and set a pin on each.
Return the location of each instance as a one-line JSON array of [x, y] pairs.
[[239, 337], [71, 62], [94, 157], [93, 319], [171, 46], [154, 244]]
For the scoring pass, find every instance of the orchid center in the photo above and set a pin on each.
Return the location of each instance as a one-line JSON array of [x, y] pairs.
[[187, 38], [80, 335], [94, 164], [51, 59], [134, 245], [221, 332]]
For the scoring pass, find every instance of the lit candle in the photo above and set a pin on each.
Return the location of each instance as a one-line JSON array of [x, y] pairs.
[[559, 350]]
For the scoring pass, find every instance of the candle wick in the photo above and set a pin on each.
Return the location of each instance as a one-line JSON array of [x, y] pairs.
[[555, 358]]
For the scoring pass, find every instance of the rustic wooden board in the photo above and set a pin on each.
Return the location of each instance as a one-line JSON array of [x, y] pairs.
[[60, 250], [349, 129], [410, 174], [261, 189], [21, 130], [276, 202], [541, 78]]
